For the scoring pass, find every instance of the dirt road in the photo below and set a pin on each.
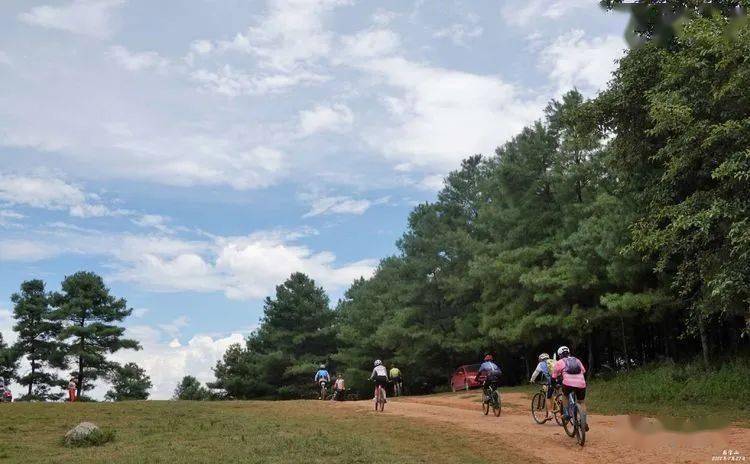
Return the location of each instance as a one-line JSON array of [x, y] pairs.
[[624, 438]]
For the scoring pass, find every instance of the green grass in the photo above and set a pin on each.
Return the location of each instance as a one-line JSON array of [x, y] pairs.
[[683, 396], [234, 432], [709, 398]]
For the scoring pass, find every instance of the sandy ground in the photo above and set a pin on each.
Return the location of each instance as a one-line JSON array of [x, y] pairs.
[[628, 439]]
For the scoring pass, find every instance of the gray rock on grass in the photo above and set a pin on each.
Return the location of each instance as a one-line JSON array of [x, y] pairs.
[[80, 433]]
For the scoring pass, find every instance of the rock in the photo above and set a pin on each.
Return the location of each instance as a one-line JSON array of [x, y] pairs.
[[80, 433]]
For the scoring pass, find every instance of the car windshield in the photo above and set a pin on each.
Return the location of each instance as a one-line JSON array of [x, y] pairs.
[[472, 368]]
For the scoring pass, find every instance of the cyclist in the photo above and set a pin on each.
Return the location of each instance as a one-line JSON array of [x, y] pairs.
[[322, 376], [569, 372], [545, 368], [380, 376], [395, 374], [338, 388], [492, 373]]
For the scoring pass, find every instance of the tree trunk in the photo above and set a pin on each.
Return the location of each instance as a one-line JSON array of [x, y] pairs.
[[80, 376], [624, 343], [704, 339], [31, 379], [590, 370]]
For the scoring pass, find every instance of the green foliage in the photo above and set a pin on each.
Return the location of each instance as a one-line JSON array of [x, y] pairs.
[[8, 361], [37, 341], [191, 389], [296, 334], [129, 382], [88, 312]]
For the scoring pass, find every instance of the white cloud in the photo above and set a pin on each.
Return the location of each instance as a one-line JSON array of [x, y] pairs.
[[232, 83], [166, 360], [291, 34], [383, 17], [370, 43], [440, 115], [574, 61], [525, 12], [4, 58], [86, 17], [50, 193], [242, 267], [137, 61], [433, 183], [340, 205], [325, 118], [459, 33]]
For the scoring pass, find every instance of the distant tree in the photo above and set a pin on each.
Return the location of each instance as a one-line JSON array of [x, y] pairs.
[[191, 389], [129, 382], [8, 361], [296, 334], [37, 340], [88, 310]]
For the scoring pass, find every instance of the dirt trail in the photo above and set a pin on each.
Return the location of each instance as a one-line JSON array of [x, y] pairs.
[[610, 437]]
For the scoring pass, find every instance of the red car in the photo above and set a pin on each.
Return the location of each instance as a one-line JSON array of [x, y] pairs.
[[463, 378]]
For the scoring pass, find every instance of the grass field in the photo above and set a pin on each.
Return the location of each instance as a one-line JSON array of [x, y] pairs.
[[236, 431]]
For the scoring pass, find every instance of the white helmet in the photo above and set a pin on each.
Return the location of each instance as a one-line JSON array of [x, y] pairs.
[[322, 366], [543, 356], [562, 351], [378, 362]]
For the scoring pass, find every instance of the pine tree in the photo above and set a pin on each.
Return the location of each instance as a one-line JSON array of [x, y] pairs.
[[37, 340], [88, 310]]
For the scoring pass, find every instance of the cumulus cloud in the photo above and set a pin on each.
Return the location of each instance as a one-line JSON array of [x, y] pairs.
[[242, 267], [50, 193], [572, 60], [439, 116], [325, 118], [86, 17]]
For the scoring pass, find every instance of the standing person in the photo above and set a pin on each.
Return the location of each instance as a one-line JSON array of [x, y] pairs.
[[72, 390], [380, 376], [569, 371], [395, 374], [545, 368]]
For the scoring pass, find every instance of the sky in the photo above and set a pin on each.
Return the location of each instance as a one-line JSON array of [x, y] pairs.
[[195, 154]]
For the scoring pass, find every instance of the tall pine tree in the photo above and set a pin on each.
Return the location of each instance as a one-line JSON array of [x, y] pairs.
[[37, 340], [88, 312]]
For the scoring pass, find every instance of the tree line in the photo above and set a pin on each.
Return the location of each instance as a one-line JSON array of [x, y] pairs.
[[71, 330], [618, 225]]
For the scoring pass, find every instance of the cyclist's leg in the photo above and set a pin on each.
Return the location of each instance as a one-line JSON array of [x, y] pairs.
[[566, 391]]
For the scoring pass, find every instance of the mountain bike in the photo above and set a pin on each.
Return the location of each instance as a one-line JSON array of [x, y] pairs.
[[492, 399], [575, 423], [323, 390], [539, 407], [398, 388], [379, 397]]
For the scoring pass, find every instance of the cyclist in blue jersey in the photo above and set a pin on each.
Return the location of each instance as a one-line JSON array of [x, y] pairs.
[[322, 376]]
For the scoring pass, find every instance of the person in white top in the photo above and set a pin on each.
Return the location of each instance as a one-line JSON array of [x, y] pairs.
[[379, 375]]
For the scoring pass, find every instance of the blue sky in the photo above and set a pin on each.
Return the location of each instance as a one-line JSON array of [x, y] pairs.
[[195, 157]]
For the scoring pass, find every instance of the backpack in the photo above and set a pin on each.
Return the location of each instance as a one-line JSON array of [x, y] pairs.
[[550, 366], [572, 365]]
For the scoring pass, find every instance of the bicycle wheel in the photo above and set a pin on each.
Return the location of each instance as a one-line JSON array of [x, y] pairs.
[[485, 403], [557, 412], [496, 404], [538, 408], [570, 426], [580, 420], [377, 397], [381, 400], [323, 393]]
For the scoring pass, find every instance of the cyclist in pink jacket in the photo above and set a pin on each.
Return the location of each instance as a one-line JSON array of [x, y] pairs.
[[569, 371]]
